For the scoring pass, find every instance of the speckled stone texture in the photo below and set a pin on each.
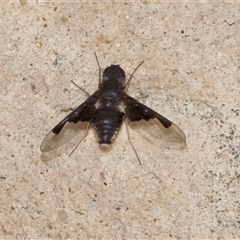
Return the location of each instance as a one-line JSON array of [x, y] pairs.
[[191, 75]]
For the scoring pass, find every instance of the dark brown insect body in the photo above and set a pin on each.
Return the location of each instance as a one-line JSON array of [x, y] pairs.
[[110, 111], [106, 109]]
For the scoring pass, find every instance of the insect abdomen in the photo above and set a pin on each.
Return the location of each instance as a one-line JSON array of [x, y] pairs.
[[107, 122]]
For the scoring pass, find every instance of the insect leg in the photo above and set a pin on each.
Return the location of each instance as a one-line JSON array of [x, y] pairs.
[[80, 140], [83, 90], [129, 139], [130, 78], [99, 68]]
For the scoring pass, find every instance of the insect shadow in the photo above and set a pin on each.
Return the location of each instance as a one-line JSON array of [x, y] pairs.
[[106, 109]]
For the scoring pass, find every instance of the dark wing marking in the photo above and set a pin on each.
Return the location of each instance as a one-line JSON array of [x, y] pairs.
[[73, 124], [152, 123]]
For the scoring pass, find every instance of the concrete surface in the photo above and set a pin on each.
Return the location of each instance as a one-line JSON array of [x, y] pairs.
[[191, 75]]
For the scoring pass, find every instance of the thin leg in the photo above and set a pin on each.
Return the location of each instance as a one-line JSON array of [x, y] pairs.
[[129, 139], [83, 90], [99, 69], [99, 78], [129, 80], [79, 141]]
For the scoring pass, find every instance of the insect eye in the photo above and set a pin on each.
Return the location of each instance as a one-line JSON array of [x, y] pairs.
[[114, 73]]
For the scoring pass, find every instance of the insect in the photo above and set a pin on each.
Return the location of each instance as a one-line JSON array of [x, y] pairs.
[[106, 109]]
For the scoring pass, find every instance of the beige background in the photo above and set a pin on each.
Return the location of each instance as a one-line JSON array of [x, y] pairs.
[[191, 75]]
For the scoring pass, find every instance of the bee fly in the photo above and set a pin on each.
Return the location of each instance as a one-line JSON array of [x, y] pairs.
[[106, 109]]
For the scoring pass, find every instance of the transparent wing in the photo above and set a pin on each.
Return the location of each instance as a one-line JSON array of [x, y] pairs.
[[154, 125], [69, 131], [73, 124]]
